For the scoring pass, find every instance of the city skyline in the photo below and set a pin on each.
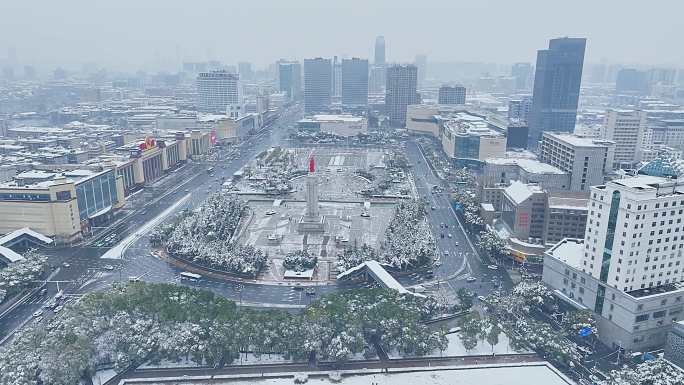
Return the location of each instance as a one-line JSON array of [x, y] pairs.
[[176, 37]]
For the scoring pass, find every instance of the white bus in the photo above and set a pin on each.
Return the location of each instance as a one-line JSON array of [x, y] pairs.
[[190, 276]]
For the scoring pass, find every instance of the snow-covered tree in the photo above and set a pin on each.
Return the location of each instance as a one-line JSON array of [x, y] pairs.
[[18, 275], [577, 320], [353, 256], [138, 322], [299, 260], [653, 372], [205, 236], [408, 241], [492, 245]]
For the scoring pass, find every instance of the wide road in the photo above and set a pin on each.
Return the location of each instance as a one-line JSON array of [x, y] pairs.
[[458, 257]]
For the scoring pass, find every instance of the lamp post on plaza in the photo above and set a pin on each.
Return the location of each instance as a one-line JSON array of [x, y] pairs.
[[238, 289]]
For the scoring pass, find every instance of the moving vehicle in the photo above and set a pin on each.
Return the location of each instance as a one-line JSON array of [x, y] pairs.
[[192, 277], [454, 330], [481, 298], [108, 267], [419, 289], [471, 279], [449, 235], [64, 264], [270, 212], [493, 267], [38, 313]]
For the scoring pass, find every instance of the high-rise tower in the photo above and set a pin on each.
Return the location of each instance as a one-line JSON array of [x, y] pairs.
[[556, 87]]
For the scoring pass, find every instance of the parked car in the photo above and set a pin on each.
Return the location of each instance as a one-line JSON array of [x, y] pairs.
[[471, 279], [493, 267]]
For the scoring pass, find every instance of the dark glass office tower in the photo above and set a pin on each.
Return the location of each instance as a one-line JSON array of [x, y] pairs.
[[290, 77], [355, 82], [317, 85], [556, 88]]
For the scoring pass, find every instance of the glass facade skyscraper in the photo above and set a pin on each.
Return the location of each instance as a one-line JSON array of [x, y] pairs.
[[355, 82], [317, 85], [290, 77], [556, 88]]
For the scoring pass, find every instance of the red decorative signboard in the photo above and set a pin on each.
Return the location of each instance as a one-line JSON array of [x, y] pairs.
[[147, 144]]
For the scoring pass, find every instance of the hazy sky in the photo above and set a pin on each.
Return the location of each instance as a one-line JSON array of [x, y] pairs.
[[133, 34]]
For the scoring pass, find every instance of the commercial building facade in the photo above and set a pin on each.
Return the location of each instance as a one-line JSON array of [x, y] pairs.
[[339, 125], [216, 90], [626, 128], [566, 217], [585, 159], [501, 171], [467, 142], [628, 268], [523, 210]]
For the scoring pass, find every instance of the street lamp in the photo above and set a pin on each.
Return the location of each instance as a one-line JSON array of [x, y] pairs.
[[238, 289]]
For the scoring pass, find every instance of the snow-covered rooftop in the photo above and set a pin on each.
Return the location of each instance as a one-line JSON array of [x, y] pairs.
[[8, 255], [519, 191], [579, 141], [509, 374], [333, 118], [532, 166], [380, 274], [569, 203], [568, 251], [641, 182], [24, 231]]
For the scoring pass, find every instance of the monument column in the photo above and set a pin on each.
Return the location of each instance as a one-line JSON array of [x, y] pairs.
[[312, 191]]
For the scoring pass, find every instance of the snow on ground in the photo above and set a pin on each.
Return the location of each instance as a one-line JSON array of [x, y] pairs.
[[523, 374], [102, 376], [117, 251]]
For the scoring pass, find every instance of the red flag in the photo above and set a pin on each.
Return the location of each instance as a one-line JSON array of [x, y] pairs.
[[312, 166]]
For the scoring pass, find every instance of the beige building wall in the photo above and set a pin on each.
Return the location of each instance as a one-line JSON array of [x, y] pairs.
[[418, 119], [54, 219], [492, 147]]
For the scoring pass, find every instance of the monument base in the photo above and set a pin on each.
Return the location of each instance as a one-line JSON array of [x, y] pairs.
[[311, 224]]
